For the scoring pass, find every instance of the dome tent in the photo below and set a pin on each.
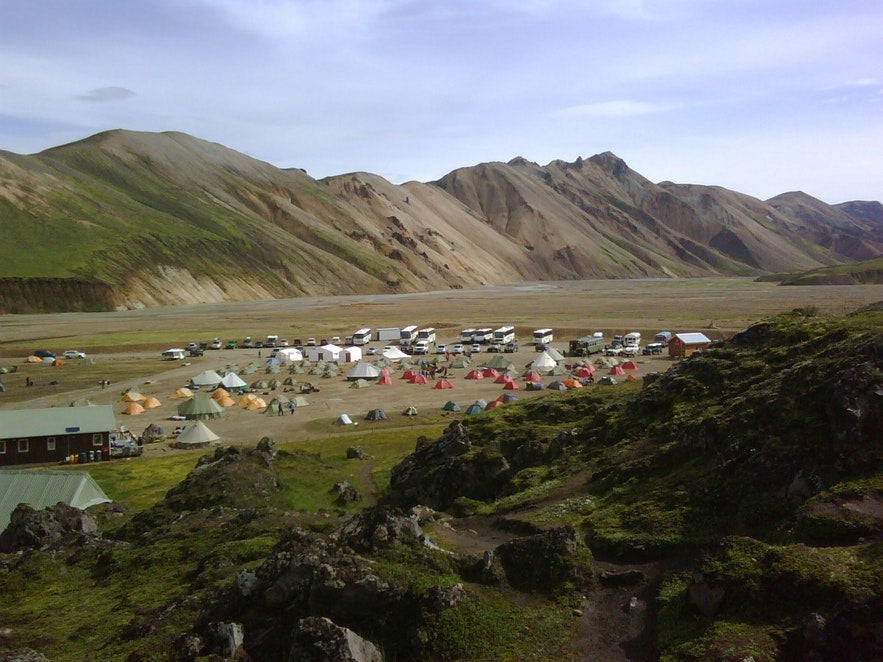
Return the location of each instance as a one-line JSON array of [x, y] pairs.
[[376, 415], [343, 419], [196, 435], [450, 405]]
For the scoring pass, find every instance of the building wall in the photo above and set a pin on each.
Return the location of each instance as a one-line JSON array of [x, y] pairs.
[[38, 450]]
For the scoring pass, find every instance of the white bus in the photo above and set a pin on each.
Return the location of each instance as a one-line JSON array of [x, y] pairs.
[[467, 335], [504, 334], [543, 337], [483, 336], [408, 335], [362, 337], [427, 335]]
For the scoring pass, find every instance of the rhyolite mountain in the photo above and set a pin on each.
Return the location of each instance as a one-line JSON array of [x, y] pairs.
[[129, 219]]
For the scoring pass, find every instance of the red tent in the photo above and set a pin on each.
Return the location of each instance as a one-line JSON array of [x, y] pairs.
[[629, 365], [490, 372], [503, 379], [443, 383], [384, 372], [584, 372], [616, 370], [510, 386], [631, 378], [533, 376], [384, 380], [417, 379], [408, 374], [474, 374], [493, 403]]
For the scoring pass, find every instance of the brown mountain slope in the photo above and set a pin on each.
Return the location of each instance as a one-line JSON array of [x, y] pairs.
[[140, 219]]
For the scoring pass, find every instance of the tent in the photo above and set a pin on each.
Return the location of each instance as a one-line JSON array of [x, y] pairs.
[[460, 361], [629, 365], [273, 384], [257, 403], [534, 386], [443, 384], [226, 401], [616, 370], [511, 386], [417, 379], [491, 373], [153, 432], [134, 409], [473, 409], [393, 354], [557, 385], [132, 396], [631, 378], [410, 411], [450, 405], [300, 401], [481, 403], [363, 371], [608, 380], [220, 393], [200, 406], [503, 379], [33, 359], [584, 372], [532, 376], [57, 362], [555, 354], [557, 371], [196, 435], [360, 383], [260, 385], [290, 354], [289, 381], [41, 488], [343, 419], [207, 379], [325, 353], [572, 383], [543, 362], [384, 380], [376, 415], [407, 374], [275, 408], [474, 374], [245, 399], [272, 361], [507, 397], [151, 403], [183, 393], [500, 362], [492, 404]]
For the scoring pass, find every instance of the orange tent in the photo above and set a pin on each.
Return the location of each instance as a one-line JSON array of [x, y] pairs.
[[226, 401], [245, 399], [132, 396], [133, 409], [571, 383], [151, 403], [183, 393], [443, 383], [57, 362], [220, 393], [631, 378], [257, 403], [33, 359], [474, 374], [493, 403], [417, 379]]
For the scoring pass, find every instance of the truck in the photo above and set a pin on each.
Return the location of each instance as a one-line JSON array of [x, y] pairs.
[[505, 334], [632, 339], [662, 337], [585, 346], [388, 334], [362, 336], [408, 335], [271, 341], [427, 335]]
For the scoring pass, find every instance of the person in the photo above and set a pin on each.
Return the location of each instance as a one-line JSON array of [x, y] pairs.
[[291, 407], [27, 381], [281, 411]]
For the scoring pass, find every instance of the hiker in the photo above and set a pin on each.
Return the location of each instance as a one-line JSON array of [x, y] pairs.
[[28, 381], [291, 408], [280, 412]]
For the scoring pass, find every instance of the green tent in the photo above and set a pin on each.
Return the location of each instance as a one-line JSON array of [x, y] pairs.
[[200, 406], [410, 411], [450, 405], [46, 488]]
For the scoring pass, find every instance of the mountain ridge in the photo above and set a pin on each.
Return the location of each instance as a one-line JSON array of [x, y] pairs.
[[167, 218]]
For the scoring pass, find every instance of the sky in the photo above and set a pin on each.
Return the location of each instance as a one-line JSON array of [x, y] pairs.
[[761, 97]]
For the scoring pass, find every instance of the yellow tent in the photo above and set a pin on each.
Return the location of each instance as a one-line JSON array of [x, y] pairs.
[[151, 403], [33, 359], [183, 393], [247, 398], [226, 401], [133, 409], [132, 396], [220, 393], [257, 403]]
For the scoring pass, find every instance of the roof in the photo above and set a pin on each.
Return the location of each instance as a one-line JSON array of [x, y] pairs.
[[46, 488], [52, 421], [693, 338]]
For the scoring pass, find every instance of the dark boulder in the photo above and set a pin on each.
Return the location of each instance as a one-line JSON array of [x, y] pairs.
[[346, 493], [37, 529], [356, 453], [546, 561]]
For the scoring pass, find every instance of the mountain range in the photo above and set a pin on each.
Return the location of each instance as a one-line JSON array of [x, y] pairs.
[[127, 219]]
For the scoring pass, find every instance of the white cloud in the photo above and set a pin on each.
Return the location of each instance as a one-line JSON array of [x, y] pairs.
[[614, 108], [102, 94]]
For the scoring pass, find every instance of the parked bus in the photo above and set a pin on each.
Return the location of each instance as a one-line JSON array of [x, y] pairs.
[[483, 336], [362, 337], [427, 335], [408, 335], [542, 337], [585, 346], [504, 334], [467, 336]]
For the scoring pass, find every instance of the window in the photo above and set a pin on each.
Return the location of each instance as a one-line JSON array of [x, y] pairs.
[[50, 443], [2, 448], [97, 440], [22, 445]]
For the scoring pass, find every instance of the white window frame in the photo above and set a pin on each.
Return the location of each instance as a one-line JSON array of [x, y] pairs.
[[50, 443], [24, 446], [97, 441]]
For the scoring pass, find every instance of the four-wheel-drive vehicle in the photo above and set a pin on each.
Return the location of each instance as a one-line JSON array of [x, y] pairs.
[[231, 344], [216, 344], [44, 354], [457, 348], [197, 351], [476, 347], [311, 342], [247, 344], [422, 347], [74, 354], [510, 347], [441, 349], [495, 347], [192, 345], [371, 351], [335, 340], [652, 348], [203, 345]]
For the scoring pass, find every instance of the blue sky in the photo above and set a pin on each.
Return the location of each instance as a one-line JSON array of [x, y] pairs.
[[759, 97]]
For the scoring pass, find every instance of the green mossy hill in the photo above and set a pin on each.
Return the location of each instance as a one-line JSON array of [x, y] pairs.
[[866, 272]]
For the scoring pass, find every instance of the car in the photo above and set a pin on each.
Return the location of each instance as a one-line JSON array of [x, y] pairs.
[[192, 345], [44, 354], [422, 347], [476, 347], [231, 344], [247, 344], [495, 347], [335, 340], [259, 345], [441, 349], [652, 348], [457, 349], [371, 351], [283, 342], [311, 342], [74, 354], [216, 344]]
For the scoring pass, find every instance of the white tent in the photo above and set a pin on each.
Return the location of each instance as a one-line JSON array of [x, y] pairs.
[[206, 379], [196, 435], [393, 354], [343, 419], [555, 354], [543, 362], [363, 371], [325, 353], [290, 354], [352, 354], [231, 380]]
